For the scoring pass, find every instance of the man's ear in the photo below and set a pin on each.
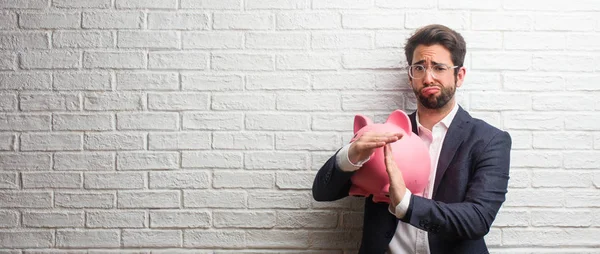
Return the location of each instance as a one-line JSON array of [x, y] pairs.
[[361, 121], [460, 76]]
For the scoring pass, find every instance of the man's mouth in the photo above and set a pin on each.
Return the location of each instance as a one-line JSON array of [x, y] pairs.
[[427, 91]]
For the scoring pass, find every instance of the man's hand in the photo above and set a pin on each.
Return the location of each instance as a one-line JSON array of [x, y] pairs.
[[397, 185], [365, 145]]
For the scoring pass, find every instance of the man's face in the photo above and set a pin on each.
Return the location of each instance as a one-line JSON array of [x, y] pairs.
[[435, 91]]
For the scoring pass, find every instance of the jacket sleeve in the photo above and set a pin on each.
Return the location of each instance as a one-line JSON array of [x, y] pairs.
[[331, 183], [472, 218]]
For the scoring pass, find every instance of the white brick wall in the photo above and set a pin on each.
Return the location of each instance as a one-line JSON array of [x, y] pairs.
[[196, 126]]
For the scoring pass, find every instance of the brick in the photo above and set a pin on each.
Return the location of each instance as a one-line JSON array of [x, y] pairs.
[[536, 159], [24, 122], [500, 101], [455, 19], [534, 82], [349, 220], [371, 21], [597, 141], [178, 21], [213, 239], [385, 102], [114, 60], [47, 102], [555, 218], [53, 219], [512, 218], [212, 40], [296, 200], [147, 160], [554, 103], [582, 41], [52, 180], [313, 61], [535, 198], [309, 102], [147, 81], [114, 141], [87, 238], [214, 199], [343, 4], [307, 141], [554, 237], [521, 139], [392, 4], [471, 5], [49, 20], [179, 141], [341, 40], [272, 160], [538, 121], [8, 60], [147, 121], [484, 40], [332, 122], [146, 4], [87, 4], [377, 59], [563, 140], [537, 41], [84, 199], [50, 142], [179, 219], [497, 61], [295, 180], [276, 239], [357, 81], [179, 180], [113, 20], [213, 121], [204, 82], [148, 199], [211, 159], [347, 204], [8, 20], [276, 4], [91, 81], [148, 39], [390, 39], [270, 40], [235, 219], [582, 198], [560, 6], [117, 180], [581, 82], [82, 122], [239, 62], [573, 121], [245, 180], [279, 122], [245, 101], [7, 142], [93, 161], [116, 219], [9, 219], [308, 20], [277, 82], [26, 238], [243, 141], [82, 39], [24, 40], [25, 161], [242, 21], [113, 101], [178, 60], [9, 180], [574, 63], [50, 60], [51, 251], [25, 199], [559, 178], [25, 81], [335, 239], [212, 5], [502, 22], [581, 160], [563, 22]]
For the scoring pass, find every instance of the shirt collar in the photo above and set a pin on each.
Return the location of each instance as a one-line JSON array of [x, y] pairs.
[[446, 121]]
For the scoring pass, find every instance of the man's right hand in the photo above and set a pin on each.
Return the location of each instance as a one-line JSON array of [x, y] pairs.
[[365, 145]]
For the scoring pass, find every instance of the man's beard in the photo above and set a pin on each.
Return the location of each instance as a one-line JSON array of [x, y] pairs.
[[433, 101]]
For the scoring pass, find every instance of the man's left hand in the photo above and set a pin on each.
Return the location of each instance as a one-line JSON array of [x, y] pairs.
[[397, 185]]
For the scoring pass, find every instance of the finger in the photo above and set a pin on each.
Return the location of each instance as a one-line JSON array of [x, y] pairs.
[[361, 146]]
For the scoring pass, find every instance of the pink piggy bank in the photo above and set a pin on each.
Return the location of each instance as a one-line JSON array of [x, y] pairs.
[[410, 153]]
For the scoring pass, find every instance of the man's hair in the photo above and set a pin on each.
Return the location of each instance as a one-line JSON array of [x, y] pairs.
[[437, 34]]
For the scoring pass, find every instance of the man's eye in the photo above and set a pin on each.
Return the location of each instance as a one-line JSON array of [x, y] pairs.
[[419, 68], [440, 68]]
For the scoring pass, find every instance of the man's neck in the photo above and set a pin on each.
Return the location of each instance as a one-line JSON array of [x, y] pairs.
[[429, 117]]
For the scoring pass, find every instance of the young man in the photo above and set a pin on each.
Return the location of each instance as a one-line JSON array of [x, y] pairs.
[[469, 162]]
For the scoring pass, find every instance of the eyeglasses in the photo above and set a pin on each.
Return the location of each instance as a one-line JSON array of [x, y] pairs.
[[418, 71]]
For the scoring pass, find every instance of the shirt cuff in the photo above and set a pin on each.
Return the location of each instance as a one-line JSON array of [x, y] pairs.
[[344, 162], [400, 210]]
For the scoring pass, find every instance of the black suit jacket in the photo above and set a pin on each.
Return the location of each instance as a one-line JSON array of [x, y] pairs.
[[470, 186]]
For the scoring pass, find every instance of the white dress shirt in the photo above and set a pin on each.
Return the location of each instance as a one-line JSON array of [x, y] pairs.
[[409, 239]]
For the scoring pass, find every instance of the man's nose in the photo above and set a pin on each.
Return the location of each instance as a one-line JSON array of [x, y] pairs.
[[428, 78]]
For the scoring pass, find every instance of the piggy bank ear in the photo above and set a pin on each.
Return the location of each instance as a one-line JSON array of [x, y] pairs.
[[400, 119], [361, 121]]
